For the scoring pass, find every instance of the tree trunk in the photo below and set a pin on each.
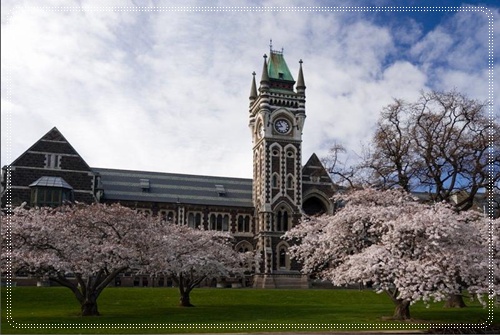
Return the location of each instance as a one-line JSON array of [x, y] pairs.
[[184, 301], [455, 301], [88, 289], [89, 307], [402, 310]]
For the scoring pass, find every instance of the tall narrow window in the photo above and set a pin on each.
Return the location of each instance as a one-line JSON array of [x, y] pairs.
[[241, 223], [279, 221], [213, 222], [225, 223], [285, 221], [247, 224], [282, 220], [219, 222], [282, 257], [275, 182]]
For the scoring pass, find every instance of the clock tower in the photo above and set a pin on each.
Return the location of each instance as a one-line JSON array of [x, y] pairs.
[[277, 115]]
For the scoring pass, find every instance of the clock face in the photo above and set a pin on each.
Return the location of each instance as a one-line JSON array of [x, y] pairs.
[[282, 126]]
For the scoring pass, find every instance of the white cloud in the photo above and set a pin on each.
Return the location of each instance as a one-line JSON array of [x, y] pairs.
[[168, 91]]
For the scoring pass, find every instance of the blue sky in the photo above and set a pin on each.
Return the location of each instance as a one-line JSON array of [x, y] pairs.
[[168, 90]]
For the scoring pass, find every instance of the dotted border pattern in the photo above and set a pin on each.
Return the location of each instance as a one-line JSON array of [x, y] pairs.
[[297, 326]]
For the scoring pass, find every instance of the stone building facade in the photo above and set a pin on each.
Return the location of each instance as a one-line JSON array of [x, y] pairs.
[[257, 211]]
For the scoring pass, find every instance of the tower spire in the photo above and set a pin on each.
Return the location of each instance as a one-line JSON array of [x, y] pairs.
[[253, 89], [301, 86], [265, 75], [264, 80]]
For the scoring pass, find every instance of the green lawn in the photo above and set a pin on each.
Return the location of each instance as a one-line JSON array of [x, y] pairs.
[[155, 310]]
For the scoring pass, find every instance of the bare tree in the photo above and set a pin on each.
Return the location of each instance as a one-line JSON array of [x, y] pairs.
[[392, 161], [441, 144]]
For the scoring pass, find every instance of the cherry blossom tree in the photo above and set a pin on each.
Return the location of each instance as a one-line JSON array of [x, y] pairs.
[[389, 241], [81, 247], [189, 256]]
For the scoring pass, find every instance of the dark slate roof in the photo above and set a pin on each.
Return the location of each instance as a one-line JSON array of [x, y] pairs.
[[129, 185], [47, 181]]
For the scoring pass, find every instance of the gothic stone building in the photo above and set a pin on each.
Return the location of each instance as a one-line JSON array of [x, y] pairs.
[[255, 211]]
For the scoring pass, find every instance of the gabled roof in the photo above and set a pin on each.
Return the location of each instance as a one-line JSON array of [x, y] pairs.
[[127, 185], [314, 168], [53, 141]]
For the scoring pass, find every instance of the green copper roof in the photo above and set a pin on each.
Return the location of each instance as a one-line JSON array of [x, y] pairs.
[[277, 68]]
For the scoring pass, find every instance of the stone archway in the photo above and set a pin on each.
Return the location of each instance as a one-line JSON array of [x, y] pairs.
[[316, 205], [243, 246]]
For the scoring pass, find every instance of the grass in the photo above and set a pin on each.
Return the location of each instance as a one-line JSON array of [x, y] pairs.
[[155, 310]]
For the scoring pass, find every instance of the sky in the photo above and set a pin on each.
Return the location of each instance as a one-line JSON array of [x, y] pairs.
[[166, 89]]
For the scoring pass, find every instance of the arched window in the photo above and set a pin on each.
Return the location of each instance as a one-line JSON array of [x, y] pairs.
[[289, 182], [282, 220], [225, 223], [219, 222], [283, 258], [167, 216], [194, 220], [314, 206], [244, 246], [243, 224]]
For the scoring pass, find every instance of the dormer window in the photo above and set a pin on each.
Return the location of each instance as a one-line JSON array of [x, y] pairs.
[[50, 192], [281, 75], [145, 186], [221, 191]]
